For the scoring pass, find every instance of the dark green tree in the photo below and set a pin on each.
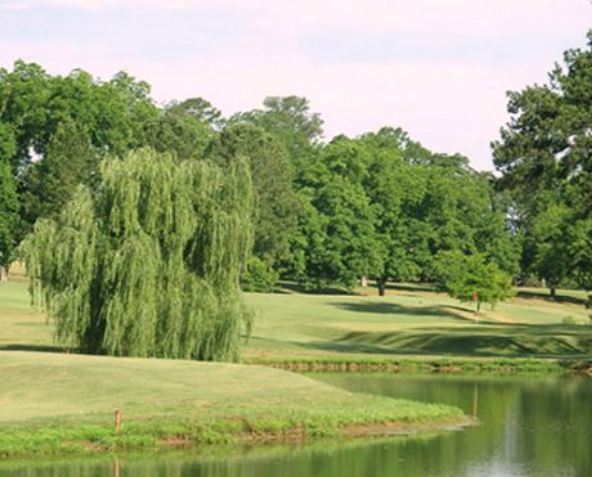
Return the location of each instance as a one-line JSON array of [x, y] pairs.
[[47, 185], [201, 110], [276, 206], [426, 203], [9, 219], [148, 264], [35, 104], [471, 278], [178, 132], [546, 165], [396, 183], [336, 242], [289, 118]]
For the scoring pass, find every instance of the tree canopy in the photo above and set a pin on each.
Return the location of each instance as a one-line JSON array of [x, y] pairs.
[[544, 157], [148, 263], [322, 212], [471, 278]]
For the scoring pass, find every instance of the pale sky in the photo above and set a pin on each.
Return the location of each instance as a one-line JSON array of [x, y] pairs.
[[437, 68]]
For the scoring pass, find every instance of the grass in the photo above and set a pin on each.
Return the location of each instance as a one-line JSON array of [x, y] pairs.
[[411, 322], [53, 403]]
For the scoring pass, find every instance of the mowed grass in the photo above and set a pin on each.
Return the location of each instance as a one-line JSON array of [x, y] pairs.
[[40, 386], [54, 403], [410, 321], [57, 403]]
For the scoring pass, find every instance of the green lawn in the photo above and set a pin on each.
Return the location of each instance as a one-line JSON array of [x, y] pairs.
[[52, 402], [39, 386], [414, 322], [407, 322]]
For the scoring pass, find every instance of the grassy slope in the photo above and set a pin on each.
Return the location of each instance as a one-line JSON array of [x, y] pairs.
[[58, 403], [408, 322], [411, 322]]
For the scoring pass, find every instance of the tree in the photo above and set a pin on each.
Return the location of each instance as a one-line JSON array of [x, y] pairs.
[[179, 133], [336, 241], [47, 185], [9, 219], [425, 203], [36, 104], [201, 110], [149, 263], [396, 184], [276, 208], [470, 278], [289, 118], [544, 157], [551, 247]]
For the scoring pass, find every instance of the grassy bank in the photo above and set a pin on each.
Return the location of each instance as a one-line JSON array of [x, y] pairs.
[[411, 329], [427, 364], [415, 324], [55, 403], [62, 404]]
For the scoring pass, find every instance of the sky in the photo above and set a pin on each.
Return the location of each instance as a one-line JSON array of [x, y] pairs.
[[439, 69]]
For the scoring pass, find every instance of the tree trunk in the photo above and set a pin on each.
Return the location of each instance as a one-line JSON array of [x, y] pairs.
[[364, 281], [553, 290], [381, 284], [3, 274]]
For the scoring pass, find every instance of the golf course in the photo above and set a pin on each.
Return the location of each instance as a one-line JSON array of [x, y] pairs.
[[295, 239], [55, 402]]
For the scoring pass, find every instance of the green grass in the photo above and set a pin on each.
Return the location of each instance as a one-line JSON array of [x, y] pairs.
[[53, 403], [410, 322], [59, 403]]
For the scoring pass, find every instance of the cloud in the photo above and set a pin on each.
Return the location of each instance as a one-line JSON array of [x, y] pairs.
[[437, 68], [13, 6], [96, 4]]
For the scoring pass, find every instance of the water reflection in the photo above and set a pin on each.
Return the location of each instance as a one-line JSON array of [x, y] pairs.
[[529, 428]]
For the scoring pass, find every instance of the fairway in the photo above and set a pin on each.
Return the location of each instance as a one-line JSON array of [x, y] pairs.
[[57, 402], [406, 322], [415, 322], [53, 403], [39, 386]]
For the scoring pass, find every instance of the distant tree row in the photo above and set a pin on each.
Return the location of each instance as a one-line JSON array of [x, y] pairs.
[[378, 206], [544, 156]]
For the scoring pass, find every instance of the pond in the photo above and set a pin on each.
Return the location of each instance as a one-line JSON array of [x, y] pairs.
[[529, 427]]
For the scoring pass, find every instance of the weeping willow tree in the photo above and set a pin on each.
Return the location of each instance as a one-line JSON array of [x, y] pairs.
[[148, 263]]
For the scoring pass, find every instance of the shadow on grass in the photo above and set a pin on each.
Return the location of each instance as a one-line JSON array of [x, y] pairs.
[[536, 295], [32, 347], [397, 309], [485, 340], [412, 287], [293, 287]]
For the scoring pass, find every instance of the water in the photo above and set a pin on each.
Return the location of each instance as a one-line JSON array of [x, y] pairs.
[[529, 428]]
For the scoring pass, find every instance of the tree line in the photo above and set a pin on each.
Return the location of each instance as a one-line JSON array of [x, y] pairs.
[[328, 212]]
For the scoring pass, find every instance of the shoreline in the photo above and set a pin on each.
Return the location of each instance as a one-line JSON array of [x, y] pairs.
[[428, 365], [100, 440], [58, 404]]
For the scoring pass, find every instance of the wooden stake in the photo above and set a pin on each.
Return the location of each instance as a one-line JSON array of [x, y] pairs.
[[117, 420]]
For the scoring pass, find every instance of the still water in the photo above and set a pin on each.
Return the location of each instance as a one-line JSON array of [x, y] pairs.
[[530, 427]]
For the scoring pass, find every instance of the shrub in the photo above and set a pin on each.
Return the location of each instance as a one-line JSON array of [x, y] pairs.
[[259, 276], [569, 320]]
